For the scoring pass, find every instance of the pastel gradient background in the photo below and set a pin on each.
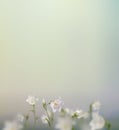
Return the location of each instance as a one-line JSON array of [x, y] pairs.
[[52, 48]]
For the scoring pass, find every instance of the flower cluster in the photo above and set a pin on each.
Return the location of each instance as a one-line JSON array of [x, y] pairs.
[[56, 116]]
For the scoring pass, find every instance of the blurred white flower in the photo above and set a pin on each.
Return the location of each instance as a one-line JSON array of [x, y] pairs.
[[12, 126], [20, 117], [31, 100], [64, 124], [56, 105], [97, 122], [96, 106], [44, 104], [80, 114], [44, 119], [67, 110], [43, 101], [83, 115]]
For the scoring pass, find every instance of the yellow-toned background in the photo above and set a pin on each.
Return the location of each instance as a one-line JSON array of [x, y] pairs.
[[51, 48]]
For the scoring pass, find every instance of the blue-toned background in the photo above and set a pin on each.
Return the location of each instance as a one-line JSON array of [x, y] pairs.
[[52, 48]]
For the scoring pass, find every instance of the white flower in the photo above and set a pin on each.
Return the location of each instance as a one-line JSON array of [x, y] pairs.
[[12, 126], [83, 114], [97, 122], [31, 100], [64, 124], [80, 114], [67, 110], [44, 104], [56, 105], [20, 117], [43, 101], [96, 105], [44, 119]]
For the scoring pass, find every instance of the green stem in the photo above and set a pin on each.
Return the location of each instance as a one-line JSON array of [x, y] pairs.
[[34, 114], [50, 119], [50, 122], [26, 122], [108, 125], [25, 125], [73, 128]]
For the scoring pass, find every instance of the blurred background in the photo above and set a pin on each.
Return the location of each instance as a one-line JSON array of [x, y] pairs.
[[52, 48]]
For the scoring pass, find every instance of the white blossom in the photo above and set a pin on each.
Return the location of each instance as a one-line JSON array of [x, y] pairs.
[[43, 101], [97, 122], [44, 119], [12, 126], [64, 124], [80, 114], [20, 117], [31, 100], [56, 104], [44, 104], [96, 106], [67, 110]]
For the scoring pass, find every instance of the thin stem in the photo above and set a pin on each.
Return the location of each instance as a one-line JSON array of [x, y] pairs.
[[50, 118], [34, 114], [108, 125], [26, 122], [25, 125], [73, 128], [50, 122]]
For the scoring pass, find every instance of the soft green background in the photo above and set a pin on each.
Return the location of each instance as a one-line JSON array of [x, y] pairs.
[[52, 48]]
